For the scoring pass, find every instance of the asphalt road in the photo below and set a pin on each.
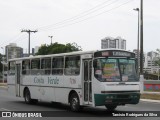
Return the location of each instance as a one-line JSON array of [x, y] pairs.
[[61, 111]]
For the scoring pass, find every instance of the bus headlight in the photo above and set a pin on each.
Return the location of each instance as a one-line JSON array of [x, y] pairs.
[[110, 97], [135, 96], [107, 97]]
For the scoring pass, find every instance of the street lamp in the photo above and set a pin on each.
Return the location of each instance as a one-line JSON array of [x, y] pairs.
[[51, 39], [141, 38], [141, 47], [137, 9]]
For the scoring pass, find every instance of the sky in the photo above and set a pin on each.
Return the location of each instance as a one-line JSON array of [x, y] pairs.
[[84, 22]]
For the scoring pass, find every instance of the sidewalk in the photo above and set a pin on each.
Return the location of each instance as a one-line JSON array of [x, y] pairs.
[[149, 100], [146, 92], [150, 93]]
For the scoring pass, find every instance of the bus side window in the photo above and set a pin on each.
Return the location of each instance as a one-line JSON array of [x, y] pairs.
[[35, 66], [57, 66], [46, 66], [11, 68], [26, 67], [72, 65]]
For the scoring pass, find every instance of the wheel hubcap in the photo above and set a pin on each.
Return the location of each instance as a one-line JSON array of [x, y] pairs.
[[27, 97], [74, 103]]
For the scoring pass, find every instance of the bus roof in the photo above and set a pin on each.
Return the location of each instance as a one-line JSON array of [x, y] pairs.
[[67, 54]]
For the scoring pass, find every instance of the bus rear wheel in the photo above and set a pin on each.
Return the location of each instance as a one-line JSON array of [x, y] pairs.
[[27, 98], [111, 107], [74, 102]]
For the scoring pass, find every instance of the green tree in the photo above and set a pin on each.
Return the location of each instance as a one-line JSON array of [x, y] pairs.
[[157, 60], [58, 48], [42, 50]]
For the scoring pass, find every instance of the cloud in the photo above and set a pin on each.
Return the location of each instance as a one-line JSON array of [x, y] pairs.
[[33, 14]]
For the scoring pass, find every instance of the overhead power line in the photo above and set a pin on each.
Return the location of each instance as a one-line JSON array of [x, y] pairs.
[[72, 20], [83, 14], [89, 17]]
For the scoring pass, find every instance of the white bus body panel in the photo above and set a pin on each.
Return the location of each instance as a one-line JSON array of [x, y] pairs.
[[11, 85], [128, 86], [52, 88]]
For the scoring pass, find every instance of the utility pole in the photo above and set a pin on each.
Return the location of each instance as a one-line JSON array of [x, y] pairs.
[[29, 32], [51, 39], [141, 49], [141, 39], [137, 9]]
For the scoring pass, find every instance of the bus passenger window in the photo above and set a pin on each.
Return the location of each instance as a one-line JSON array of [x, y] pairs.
[[57, 66], [35, 66], [12, 68], [26, 67], [72, 65], [46, 66]]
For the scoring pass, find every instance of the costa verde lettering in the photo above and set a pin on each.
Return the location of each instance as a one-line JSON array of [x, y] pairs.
[[38, 80], [50, 80], [53, 81]]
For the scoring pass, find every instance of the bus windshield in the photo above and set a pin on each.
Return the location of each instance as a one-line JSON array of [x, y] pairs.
[[115, 70]]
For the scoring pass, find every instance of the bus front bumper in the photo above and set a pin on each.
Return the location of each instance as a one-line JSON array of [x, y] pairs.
[[116, 99]]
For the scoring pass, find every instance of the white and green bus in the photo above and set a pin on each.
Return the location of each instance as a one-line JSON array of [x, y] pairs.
[[92, 78]]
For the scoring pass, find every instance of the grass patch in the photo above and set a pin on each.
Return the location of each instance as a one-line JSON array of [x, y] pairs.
[[3, 84], [152, 90], [150, 96]]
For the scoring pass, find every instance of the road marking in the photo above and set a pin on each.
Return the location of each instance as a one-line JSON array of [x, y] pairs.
[[5, 109]]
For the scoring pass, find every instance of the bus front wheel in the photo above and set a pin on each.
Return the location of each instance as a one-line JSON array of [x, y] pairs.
[[74, 102], [111, 107]]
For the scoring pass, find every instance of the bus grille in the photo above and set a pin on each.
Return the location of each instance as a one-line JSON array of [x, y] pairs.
[[121, 100], [122, 96]]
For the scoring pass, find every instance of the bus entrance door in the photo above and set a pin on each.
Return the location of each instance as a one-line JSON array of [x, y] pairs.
[[17, 81], [87, 78]]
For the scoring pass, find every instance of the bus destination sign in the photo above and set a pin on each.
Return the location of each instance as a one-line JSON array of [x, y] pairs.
[[114, 53], [120, 53]]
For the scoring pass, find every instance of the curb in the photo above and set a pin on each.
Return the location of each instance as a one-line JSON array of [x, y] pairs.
[[151, 93], [149, 100], [3, 87]]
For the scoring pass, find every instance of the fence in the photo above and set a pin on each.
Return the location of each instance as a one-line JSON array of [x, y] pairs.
[[152, 85]]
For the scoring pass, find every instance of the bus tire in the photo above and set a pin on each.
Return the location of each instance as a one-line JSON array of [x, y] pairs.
[[74, 102], [27, 98], [111, 107]]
